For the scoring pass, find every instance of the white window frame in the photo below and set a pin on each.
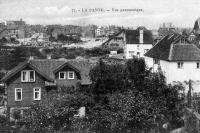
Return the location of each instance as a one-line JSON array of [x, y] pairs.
[[64, 75], [34, 91], [180, 66], [69, 73], [27, 79], [16, 94]]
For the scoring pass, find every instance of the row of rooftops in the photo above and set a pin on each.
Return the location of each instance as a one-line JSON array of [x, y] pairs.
[[172, 47]]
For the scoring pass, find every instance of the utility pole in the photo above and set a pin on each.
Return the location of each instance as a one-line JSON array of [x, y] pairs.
[[189, 96]]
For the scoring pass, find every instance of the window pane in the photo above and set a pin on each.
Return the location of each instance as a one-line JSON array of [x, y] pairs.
[[24, 76], [71, 75], [19, 96], [32, 76], [36, 95], [37, 89], [62, 75]]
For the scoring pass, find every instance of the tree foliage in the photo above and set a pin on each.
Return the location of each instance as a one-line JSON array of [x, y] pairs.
[[55, 112], [131, 97], [122, 97]]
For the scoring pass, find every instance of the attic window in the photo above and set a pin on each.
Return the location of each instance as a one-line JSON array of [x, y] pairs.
[[28, 76], [70, 75]]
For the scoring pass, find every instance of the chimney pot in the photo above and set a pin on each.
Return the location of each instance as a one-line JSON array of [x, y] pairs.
[[49, 56]]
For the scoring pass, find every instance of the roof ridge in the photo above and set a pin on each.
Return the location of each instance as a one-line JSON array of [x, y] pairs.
[[195, 47]]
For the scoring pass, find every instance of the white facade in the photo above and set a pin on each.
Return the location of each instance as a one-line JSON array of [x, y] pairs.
[[174, 73], [136, 50]]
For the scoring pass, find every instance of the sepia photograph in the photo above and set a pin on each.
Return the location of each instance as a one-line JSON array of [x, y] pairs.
[[99, 66]]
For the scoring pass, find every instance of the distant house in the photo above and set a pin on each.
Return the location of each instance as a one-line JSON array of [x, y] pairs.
[[40, 37], [137, 42], [16, 28], [116, 41], [134, 42], [43, 38], [194, 35], [176, 58], [27, 82], [100, 31], [165, 29]]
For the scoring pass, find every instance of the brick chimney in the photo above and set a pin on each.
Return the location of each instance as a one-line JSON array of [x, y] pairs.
[[141, 40]]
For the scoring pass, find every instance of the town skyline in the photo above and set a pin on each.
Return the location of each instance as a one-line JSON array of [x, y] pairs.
[[180, 13]]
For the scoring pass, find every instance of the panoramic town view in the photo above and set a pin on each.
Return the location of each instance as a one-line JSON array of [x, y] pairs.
[[92, 66]]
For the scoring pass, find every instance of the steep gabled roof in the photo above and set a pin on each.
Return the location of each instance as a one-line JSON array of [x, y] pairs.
[[20, 67], [113, 36], [132, 36], [170, 49]]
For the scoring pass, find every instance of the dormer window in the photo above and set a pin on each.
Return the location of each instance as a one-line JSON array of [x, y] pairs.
[[70, 75], [180, 65], [62, 75], [28, 76]]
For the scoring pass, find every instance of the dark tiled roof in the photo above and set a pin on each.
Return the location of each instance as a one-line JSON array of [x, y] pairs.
[[185, 52], [20, 67], [47, 67], [132, 36], [170, 49]]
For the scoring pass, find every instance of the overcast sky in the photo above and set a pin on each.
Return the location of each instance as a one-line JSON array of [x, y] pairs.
[[181, 13]]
